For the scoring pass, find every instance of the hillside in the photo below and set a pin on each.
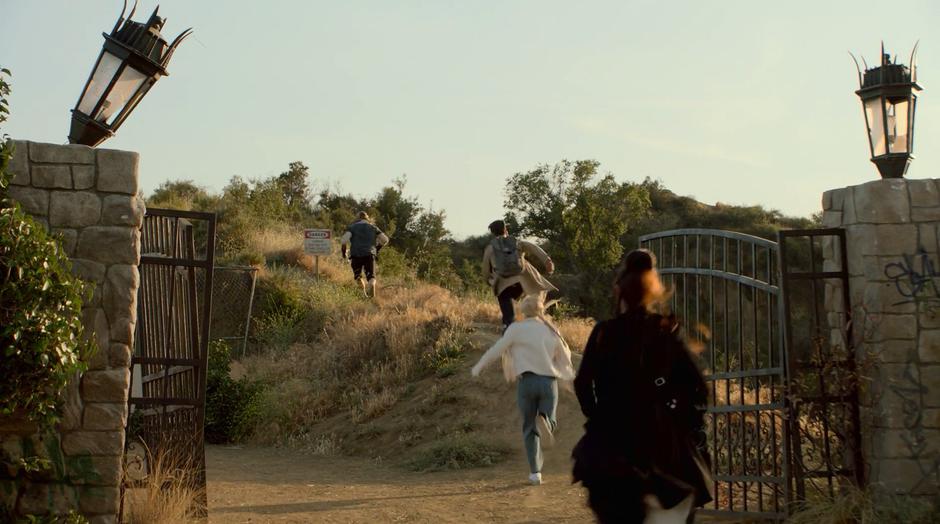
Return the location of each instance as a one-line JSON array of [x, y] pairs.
[[332, 372]]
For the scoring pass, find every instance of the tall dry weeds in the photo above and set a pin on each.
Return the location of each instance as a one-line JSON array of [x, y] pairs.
[[575, 331], [167, 495], [853, 505], [364, 358]]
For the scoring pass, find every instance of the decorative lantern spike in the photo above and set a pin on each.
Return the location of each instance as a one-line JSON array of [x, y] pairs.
[[889, 96], [133, 58]]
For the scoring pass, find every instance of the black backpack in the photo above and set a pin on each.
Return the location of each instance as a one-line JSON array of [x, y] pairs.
[[506, 259]]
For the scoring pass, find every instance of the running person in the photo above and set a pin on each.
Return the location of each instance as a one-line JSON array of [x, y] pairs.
[[363, 241], [642, 457], [508, 269], [534, 353]]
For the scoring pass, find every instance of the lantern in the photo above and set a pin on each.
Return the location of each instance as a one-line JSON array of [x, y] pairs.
[[889, 101], [133, 58]]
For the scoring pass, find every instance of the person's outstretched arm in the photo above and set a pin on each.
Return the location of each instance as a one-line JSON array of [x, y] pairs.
[[562, 359], [584, 381], [541, 257], [344, 242], [495, 351], [486, 267]]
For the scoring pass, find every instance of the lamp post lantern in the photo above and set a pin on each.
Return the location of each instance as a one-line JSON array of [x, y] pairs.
[[889, 101], [133, 58]]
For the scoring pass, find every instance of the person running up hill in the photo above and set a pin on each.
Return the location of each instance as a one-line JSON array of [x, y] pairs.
[[643, 456], [534, 353], [508, 271], [364, 241]]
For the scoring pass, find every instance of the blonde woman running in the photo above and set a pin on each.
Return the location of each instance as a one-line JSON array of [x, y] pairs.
[[534, 353]]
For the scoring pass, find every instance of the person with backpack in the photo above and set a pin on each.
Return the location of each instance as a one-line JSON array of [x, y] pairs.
[[507, 268], [364, 241], [643, 456]]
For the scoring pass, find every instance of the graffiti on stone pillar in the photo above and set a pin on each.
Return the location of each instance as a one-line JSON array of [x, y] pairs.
[[911, 391], [916, 279]]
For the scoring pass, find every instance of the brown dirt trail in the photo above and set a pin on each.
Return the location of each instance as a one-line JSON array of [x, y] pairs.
[[373, 484], [281, 485]]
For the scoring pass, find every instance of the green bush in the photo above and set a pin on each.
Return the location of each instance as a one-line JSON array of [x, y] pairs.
[[447, 353], [293, 307], [231, 405], [393, 264], [40, 307], [459, 452]]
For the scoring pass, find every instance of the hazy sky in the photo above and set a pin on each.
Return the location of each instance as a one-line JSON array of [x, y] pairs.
[[746, 102]]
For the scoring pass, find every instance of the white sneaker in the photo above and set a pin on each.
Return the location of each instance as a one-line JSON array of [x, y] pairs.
[[545, 431], [535, 479]]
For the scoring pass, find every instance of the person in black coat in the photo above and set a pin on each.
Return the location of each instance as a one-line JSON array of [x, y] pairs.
[[643, 452]]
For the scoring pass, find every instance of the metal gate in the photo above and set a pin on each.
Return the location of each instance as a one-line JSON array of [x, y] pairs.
[[769, 435], [823, 378], [168, 381]]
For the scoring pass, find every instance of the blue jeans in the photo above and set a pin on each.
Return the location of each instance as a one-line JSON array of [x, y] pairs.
[[537, 395]]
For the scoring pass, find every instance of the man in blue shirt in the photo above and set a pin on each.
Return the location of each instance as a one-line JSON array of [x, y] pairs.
[[360, 245]]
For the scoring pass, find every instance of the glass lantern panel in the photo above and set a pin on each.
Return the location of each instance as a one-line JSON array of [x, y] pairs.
[[875, 117], [897, 109], [100, 79], [125, 87]]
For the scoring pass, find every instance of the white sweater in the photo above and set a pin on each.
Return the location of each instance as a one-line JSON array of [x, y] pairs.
[[530, 345]]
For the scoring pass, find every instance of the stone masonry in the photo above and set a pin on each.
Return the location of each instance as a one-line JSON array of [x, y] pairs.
[[892, 229], [89, 198]]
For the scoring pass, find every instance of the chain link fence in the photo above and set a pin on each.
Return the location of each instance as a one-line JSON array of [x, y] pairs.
[[233, 293]]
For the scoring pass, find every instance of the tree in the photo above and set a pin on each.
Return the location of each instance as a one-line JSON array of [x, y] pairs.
[[395, 213], [294, 189], [581, 216], [181, 194]]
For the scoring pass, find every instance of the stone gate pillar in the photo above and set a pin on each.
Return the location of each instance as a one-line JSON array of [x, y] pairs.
[[89, 198], [892, 229]]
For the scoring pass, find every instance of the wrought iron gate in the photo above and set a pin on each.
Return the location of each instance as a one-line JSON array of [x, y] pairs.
[[823, 378], [734, 294], [168, 381]]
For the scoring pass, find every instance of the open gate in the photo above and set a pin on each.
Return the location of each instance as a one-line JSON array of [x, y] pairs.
[[166, 412], [769, 436], [823, 378]]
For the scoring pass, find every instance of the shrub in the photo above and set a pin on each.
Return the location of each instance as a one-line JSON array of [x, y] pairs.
[[853, 505], [459, 452], [41, 343], [393, 264], [231, 405], [448, 352]]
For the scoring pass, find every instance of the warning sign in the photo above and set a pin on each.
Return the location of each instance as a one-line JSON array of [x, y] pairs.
[[318, 241]]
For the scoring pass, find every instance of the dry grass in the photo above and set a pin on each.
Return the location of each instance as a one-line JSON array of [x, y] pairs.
[[273, 240], [858, 506], [575, 331], [363, 359], [166, 496]]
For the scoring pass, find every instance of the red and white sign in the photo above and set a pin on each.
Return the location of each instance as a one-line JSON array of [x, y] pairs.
[[318, 241]]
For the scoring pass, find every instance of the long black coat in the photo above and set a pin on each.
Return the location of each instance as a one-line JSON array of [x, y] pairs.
[[644, 398]]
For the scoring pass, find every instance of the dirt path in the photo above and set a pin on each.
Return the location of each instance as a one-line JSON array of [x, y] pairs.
[[249, 484]]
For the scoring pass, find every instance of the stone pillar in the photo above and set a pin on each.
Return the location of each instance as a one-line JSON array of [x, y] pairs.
[[894, 266], [89, 198]]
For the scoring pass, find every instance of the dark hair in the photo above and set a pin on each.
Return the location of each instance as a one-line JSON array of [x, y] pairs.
[[497, 227], [637, 284]]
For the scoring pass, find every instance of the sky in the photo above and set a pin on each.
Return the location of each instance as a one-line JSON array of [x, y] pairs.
[[740, 102]]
